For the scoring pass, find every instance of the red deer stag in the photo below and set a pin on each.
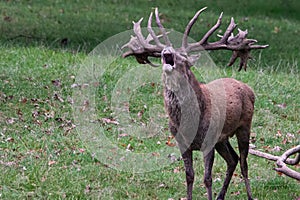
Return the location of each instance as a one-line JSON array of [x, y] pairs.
[[200, 118]]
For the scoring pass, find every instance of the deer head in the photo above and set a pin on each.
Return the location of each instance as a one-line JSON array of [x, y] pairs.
[[143, 48]]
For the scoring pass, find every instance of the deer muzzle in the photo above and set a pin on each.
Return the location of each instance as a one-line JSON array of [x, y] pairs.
[[168, 62]]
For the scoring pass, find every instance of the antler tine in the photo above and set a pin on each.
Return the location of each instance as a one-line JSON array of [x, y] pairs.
[[259, 46], [138, 32], [152, 33], [162, 29], [189, 27], [229, 30], [212, 30], [200, 45], [140, 48]]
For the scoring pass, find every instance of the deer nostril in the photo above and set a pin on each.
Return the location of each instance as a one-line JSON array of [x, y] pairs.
[[168, 59]]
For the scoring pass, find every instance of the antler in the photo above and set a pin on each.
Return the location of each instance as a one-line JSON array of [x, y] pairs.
[[239, 44], [141, 47]]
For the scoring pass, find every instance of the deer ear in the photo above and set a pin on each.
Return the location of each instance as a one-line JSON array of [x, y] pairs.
[[192, 59]]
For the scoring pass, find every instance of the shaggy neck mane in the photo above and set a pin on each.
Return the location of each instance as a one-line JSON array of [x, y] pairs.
[[174, 99]]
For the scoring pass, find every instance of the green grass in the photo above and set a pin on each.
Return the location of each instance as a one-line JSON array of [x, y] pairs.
[[42, 152]]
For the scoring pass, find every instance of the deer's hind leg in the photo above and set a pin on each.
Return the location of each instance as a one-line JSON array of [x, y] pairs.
[[229, 155], [243, 136]]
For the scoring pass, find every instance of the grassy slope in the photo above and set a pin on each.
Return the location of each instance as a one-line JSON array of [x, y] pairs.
[[40, 153]]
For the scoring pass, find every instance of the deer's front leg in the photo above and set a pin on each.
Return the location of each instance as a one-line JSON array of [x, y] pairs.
[[208, 164], [187, 157]]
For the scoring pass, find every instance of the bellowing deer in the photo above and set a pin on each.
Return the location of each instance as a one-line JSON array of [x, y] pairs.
[[200, 116]]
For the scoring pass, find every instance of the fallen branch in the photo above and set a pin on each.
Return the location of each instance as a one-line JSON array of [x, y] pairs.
[[282, 161], [268, 156]]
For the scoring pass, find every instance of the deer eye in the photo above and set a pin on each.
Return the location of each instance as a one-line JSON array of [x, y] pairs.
[[168, 59]]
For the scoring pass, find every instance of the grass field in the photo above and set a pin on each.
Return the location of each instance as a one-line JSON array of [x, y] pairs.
[[43, 149]]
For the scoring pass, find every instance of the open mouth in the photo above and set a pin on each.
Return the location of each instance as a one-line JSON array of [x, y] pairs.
[[168, 59]]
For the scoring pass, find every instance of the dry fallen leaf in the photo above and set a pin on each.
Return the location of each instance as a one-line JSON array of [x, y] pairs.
[[86, 104], [176, 170], [140, 114], [10, 139], [122, 135], [284, 141], [23, 100], [51, 162], [87, 189], [290, 137], [81, 150], [56, 83], [276, 149], [217, 179], [57, 97], [7, 164], [276, 29], [129, 147], [169, 143], [74, 85], [172, 157], [279, 173], [109, 121], [43, 179], [156, 154], [267, 148], [49, 114], [70, 100], [279, 134], [162, 185], [236, 193], [282, 106], [20, 115], [7, 18], [253, 135], [35, 113], [96, 84], [38, 122], [11, 120]]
